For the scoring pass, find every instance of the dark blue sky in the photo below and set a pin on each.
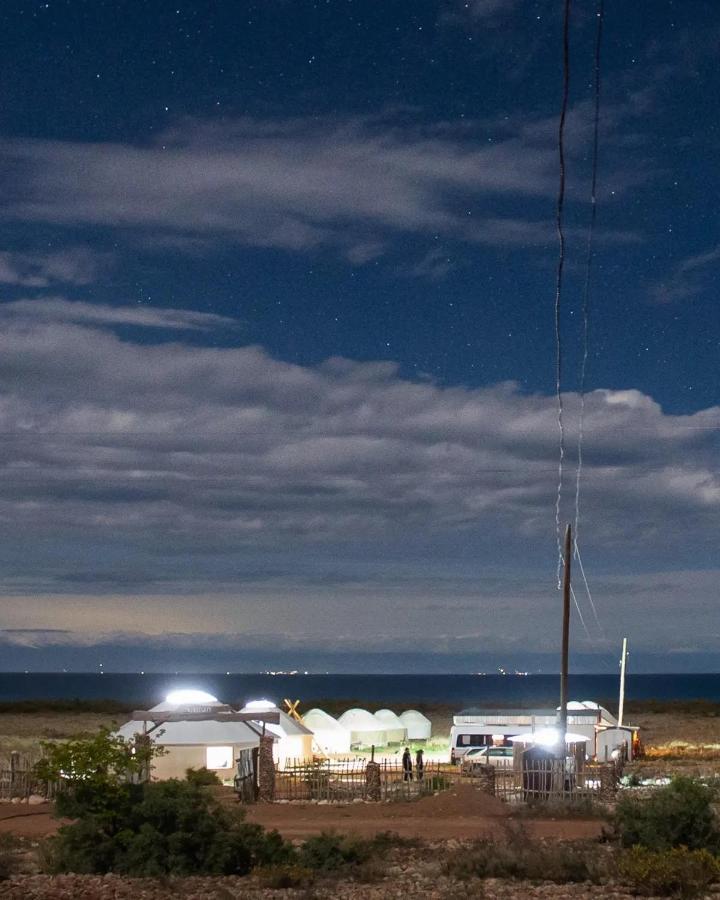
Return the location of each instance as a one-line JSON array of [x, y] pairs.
[[203, 204]]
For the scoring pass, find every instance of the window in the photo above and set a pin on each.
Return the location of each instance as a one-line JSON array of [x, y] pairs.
[[219, 757], [473, 740]]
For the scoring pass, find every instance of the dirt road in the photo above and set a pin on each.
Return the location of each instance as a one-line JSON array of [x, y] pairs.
[[462, 812]]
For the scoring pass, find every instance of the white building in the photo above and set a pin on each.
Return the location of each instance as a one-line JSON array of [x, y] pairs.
[[364, 728], [329, 736], [294, 740], [214, 742], [394, 727], [419, 727], [482, 728]]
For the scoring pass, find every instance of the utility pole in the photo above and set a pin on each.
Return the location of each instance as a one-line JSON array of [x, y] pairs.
[[565, 639], [623, 659]]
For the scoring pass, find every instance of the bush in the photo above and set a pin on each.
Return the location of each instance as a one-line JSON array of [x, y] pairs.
[[285, 876], [202, 777], [525, 859], [164, 828], [9, 846], [678, 872], [330, 851], [679, 814], [93, 772]]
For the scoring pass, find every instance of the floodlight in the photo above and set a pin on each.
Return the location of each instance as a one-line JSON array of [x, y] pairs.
[[260, 705], [186, 696]]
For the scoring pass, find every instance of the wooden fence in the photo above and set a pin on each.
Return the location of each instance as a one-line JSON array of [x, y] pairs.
[[549, 781], [342, 781], [18, 779]]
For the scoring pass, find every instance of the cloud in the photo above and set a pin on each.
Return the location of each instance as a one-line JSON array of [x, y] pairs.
[[74, 265], [57, 309], [690, 278], [295, 184], [194, 489], [200, 444]]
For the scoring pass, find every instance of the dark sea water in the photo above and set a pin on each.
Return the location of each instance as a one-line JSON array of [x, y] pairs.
[[460, 690]]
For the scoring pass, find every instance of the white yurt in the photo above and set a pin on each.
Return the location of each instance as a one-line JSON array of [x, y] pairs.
[[364, 728], [194, 743], [294, 740], [419, 727], [393, 725], [329, 736]]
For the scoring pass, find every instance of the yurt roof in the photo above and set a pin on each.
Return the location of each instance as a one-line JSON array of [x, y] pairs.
[[286, 726], [208, 731], [360, 720], [412, 715], [189, 701], [389, 719], [318, 719]]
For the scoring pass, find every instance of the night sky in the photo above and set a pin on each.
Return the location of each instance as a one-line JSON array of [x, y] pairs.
[[277, 349]]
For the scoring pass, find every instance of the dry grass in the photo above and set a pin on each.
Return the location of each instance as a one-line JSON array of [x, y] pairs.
[[23, 731]]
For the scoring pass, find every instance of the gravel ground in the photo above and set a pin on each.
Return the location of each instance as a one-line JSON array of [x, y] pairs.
[[410, 884], [404, 874]]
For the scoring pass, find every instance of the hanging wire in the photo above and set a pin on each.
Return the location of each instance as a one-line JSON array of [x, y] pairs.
[[580, 615], [588, 261], [559, 278], [589, 592]]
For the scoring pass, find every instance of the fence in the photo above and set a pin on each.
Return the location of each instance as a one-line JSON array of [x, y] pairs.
[[342, 781], [549, 781], [18, 779]]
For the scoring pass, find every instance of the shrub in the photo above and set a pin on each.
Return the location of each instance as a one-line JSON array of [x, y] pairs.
[[677, 872], [9, 846], [94, 771], [330, 851], [679, 814], [201, 777], [163, 828], [285, 876], [525, 859]]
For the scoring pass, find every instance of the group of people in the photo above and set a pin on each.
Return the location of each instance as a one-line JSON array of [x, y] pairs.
[[408, 766]]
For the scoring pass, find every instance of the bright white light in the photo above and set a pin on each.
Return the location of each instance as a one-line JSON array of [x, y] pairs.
[[179, 698], [548, 737], [260, 705], [219, 757]]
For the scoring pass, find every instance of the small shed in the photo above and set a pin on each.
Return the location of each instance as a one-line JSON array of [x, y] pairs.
[[209, 737], [617, 740], [394, 726], [364, 728], [419, 727], [329, 736], [294, 739]]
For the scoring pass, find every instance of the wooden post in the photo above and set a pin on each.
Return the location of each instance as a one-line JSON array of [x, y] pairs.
[[621, 707], [565, 641], [15, 775]]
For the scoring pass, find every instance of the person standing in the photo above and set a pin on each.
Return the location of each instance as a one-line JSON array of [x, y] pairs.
[[419, 765], [407, 765]]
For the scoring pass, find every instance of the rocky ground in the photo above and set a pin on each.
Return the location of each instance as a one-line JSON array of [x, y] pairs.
[[415, 875]]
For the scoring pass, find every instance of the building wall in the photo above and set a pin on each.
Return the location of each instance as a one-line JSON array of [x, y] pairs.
[[293, 747], [178, 759]]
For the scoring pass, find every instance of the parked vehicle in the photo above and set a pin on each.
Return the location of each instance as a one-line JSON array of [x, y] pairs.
[[488, 756]]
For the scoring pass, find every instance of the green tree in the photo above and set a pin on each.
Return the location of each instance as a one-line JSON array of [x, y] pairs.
[[677, 815], [93, 771]]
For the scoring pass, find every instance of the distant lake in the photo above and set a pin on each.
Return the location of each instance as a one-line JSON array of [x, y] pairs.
[[458, 690]]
